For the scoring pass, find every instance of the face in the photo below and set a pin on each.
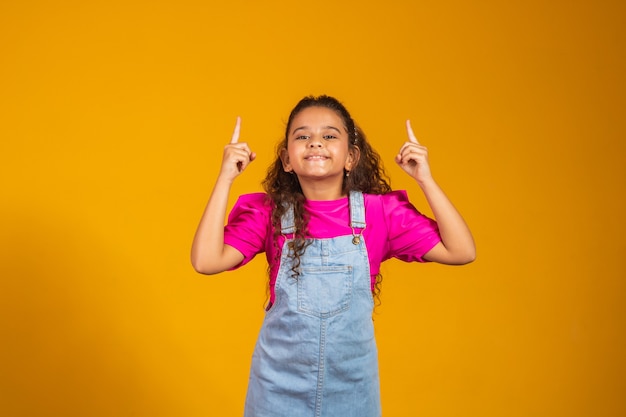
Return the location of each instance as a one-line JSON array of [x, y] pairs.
[[317, 146]]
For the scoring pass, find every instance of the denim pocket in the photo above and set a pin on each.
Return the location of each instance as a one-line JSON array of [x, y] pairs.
[[325, 291]]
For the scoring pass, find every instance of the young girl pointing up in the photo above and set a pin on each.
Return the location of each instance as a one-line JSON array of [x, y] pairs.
[[327, 221]]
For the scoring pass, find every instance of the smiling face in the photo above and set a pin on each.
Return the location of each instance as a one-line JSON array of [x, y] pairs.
[[318, 151]]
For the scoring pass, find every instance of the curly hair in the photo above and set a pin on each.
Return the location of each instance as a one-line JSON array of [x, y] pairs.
[[284, 190]]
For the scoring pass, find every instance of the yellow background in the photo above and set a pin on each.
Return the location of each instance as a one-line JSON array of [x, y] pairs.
[[113, 117]]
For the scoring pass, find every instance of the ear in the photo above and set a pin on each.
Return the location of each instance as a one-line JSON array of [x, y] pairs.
[[352, 161], [284, 158]]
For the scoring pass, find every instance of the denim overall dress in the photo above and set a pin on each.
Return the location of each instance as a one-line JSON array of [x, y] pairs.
[[316, 355]]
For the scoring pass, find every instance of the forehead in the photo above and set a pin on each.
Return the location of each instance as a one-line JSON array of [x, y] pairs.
[[316, 116]]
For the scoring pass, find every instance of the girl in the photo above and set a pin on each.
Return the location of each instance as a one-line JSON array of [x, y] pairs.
[[327, 221]]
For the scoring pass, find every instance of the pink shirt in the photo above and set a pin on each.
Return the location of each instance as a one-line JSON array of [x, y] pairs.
[[395, 229]]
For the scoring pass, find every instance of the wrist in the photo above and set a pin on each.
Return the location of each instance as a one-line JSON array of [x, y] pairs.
[[426, 182], [225, 180]]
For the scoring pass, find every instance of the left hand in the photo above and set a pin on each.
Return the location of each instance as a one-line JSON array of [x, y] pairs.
[[413, 157]]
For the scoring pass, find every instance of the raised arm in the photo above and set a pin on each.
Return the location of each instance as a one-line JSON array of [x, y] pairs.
[[457, 245], [209, 254]]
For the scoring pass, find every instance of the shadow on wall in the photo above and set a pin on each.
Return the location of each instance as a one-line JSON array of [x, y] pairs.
[[57, 338], [71, 346]]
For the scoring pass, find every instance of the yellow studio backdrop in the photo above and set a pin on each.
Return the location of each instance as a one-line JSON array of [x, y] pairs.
[[113, 117]]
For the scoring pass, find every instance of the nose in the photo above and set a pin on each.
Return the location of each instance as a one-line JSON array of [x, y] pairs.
[[315, 142]]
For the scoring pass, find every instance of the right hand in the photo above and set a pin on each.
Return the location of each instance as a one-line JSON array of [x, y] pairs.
[[237, 155]]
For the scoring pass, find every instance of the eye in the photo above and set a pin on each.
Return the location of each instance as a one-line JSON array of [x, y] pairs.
[[302, 137], [330, 137]]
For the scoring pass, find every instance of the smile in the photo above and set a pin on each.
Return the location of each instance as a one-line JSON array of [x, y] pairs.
[[315, 157]]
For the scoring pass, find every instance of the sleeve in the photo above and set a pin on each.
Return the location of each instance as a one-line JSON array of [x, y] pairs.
[[248, 226], [411, 234]]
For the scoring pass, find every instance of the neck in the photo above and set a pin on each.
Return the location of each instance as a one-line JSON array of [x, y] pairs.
[[321, 191]]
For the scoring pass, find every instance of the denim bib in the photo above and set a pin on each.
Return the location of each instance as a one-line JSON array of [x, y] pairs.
[[316, 355]]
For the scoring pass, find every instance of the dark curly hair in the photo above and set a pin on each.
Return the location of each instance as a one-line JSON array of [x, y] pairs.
[[283, 188]]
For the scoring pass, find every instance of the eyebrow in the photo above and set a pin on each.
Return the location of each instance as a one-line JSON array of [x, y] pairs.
[[307, 127]]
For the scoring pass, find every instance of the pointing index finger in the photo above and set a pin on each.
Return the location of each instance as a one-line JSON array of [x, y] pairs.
[[409, 131], [235, 137]]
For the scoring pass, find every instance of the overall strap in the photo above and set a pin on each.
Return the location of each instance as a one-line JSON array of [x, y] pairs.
[[287, 223], [357, 210]]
